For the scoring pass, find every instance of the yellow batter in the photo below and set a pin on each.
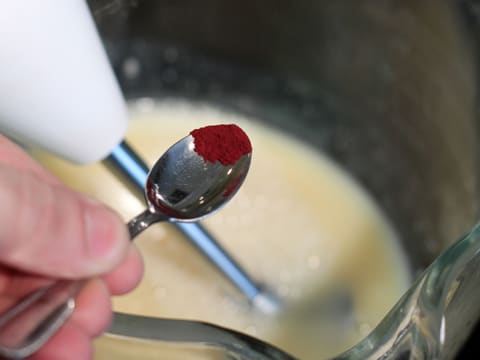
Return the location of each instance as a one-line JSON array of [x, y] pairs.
[[299, 224]]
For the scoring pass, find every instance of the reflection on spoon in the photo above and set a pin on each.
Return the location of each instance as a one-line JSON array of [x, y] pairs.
[[183, 186]]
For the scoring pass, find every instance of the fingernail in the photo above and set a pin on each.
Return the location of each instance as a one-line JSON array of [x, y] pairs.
[[103, 235]]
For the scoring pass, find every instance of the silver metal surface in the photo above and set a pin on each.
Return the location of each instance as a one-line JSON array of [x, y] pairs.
[[182, 187], [185, 331], [27, 325]]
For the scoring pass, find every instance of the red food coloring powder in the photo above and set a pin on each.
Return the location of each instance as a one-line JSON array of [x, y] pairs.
[[223, 143]]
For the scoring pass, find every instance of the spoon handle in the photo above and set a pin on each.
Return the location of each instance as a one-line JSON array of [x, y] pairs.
[[143, 221], [29, 323]]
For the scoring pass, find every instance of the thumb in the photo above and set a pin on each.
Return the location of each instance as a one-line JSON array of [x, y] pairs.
[[49, 229]]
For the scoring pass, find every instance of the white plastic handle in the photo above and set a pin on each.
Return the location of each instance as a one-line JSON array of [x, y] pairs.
[[57, 89]]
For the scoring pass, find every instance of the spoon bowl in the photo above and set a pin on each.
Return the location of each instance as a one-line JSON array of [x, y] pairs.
[[183, 187]]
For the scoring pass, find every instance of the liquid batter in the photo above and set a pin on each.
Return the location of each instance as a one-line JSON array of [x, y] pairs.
[[299, 224]]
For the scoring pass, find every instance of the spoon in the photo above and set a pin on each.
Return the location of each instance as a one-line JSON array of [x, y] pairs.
[[125, 163], [181, 187]]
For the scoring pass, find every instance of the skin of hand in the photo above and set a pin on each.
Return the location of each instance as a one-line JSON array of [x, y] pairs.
[[49, 231]]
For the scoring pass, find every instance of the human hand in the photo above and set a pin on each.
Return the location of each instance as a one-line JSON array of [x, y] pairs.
[[47, 232]]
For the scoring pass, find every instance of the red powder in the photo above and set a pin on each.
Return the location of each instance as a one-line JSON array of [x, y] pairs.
[[223, 143]]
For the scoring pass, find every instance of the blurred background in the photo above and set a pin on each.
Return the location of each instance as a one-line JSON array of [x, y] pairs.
[[388, 89]]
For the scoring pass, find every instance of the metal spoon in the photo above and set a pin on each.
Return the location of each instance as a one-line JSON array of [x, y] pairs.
[[181, 187], [126, 164]]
